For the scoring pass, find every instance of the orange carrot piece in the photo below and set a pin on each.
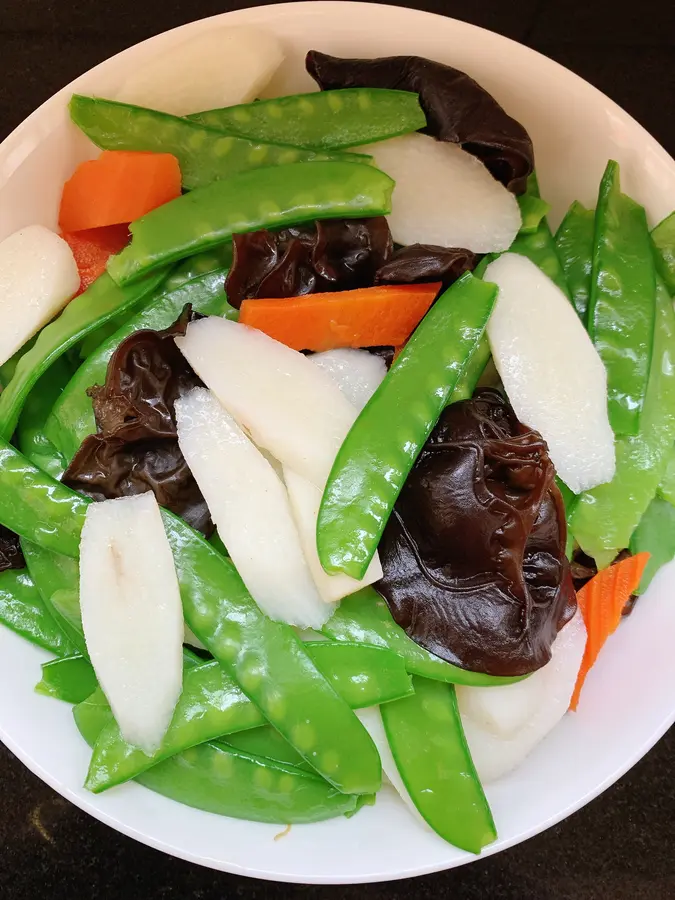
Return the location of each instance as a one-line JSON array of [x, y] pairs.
[[367, 317], [601, 601], [118, 187], [93, 248]]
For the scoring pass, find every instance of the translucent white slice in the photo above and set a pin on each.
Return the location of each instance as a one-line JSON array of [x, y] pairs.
[[357, 373], [551, 371], [305, 501], [283, 401], [249, 504], [371, 719], [504, 724], [445, 196], [219, 67], [38, 276], [132, 615]]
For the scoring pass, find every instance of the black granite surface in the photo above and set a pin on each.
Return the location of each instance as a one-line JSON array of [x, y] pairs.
[[621, 846]]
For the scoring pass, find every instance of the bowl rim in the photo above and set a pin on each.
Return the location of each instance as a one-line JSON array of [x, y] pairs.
[[11, 146]]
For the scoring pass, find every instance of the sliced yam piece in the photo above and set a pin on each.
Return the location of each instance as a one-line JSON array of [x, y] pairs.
[[217, 67], [132, 615], [504, 724], [249, 504], [118, 187], [38, 276], [305, 501], [445, 196], [552, 373], [284, 402], [357, 373]]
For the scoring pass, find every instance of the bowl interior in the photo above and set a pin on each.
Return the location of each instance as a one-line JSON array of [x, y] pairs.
[[628, 702]]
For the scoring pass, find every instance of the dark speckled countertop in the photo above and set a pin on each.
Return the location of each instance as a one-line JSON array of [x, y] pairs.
[[621, 846]]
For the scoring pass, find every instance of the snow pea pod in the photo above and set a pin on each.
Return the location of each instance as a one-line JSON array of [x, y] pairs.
[[574, 241], [266, 742], [364, 618], [622, 301], [539, 247], [265, 657], [71, 679], [212, 704], [266, 198], [438, 771], [200, 282], [38, 508], [228, 782], [23, 611], [666, 489], [322, 120], [656, 535], [271, 665], [57, 578], [100, 302], [604, 518], [204, 154], [532, 208], [663, 237], [30, 434], [387, 437]]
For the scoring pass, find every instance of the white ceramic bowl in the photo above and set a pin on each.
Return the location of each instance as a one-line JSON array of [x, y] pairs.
[[628, 702]]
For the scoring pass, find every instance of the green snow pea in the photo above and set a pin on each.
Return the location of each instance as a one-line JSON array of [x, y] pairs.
[[57, 578], [364, 618], [569, 500], [539, 247], [604, 518], [656, 535], [71, 679], [574, 241], [532, 208], [24, 612], [428, 745], [387, 437], [30, 435], [204, 155], [228, 782], [266, 198], [666, 489], [322, 120], [38, 508], [265, 657], [621, 308], [271, 665], [212, 704], [200, 281], [663, 237], [100, 302], [268, 743]]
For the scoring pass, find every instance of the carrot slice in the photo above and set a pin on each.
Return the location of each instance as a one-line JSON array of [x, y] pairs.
[[118, 187], [601, 601], [367, 317], [93, 248]]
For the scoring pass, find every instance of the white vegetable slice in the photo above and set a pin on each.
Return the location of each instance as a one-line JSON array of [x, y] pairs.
[[371, 719], [38, 275], [504, 724], [445, 196], [132, 615], [285, 403], [305, 501], [552, 373], [249, 504], [218, 67], [357, 373]]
